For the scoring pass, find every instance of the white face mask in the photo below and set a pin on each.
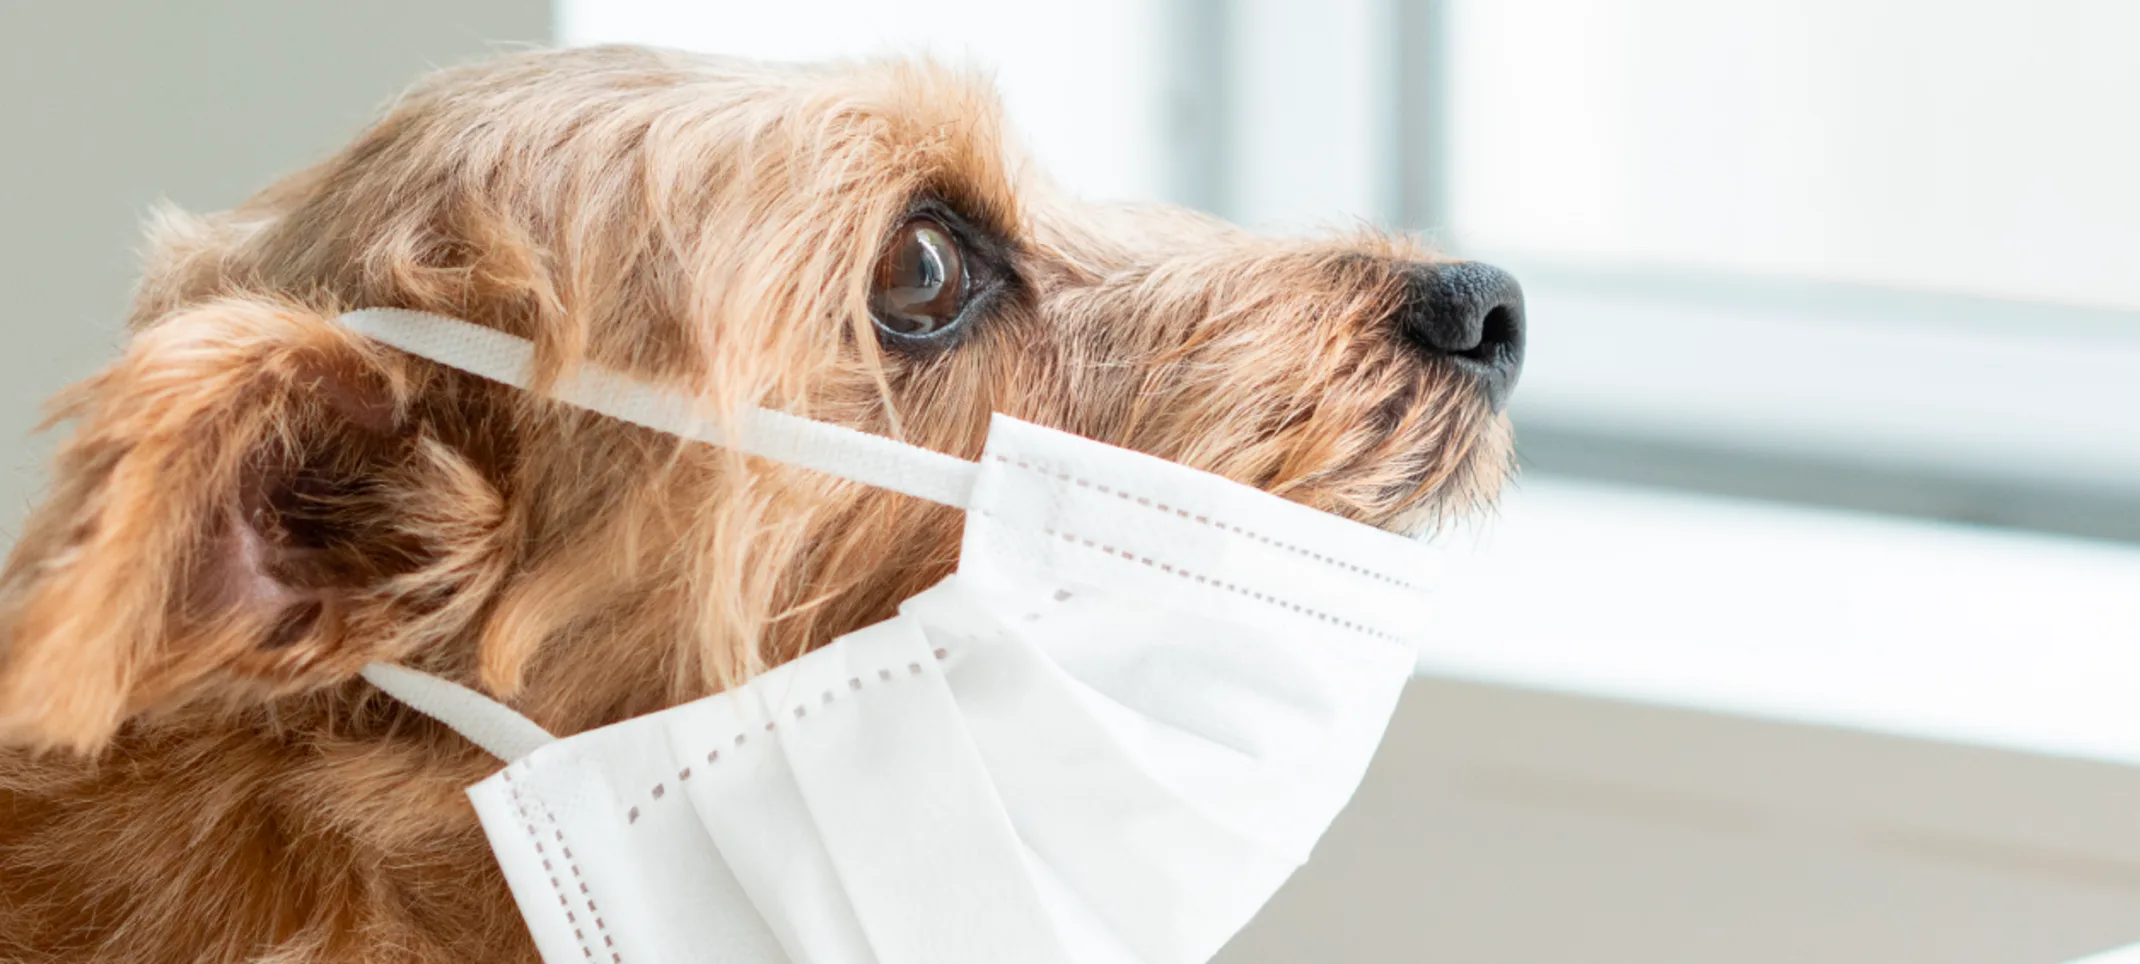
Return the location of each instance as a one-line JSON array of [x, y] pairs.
[[1109, 737]]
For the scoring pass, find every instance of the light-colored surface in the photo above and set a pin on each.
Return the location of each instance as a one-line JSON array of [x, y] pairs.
[[109, 106], [2122, 955], [1501, 826], [1917, 629]]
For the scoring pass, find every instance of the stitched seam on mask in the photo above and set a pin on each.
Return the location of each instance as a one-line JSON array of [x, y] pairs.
[[601, 924], [1216, 583], [520, 803], [884, 674], [1220, 524]]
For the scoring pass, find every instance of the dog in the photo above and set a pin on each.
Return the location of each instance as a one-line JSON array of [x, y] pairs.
[[255, 503]]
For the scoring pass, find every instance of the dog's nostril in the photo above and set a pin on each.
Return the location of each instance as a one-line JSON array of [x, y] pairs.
[[1472, 315], [1497, 332]]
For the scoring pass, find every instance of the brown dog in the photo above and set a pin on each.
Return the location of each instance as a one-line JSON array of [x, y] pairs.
[[255, 503]]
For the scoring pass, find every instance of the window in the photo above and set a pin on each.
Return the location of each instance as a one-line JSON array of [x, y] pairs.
[[1878, 254], [1975, 148]]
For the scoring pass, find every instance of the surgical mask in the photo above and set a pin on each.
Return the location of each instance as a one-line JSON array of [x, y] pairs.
[[1109, 736]]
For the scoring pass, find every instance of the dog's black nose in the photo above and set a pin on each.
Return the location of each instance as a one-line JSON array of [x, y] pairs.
[[1471, 314]]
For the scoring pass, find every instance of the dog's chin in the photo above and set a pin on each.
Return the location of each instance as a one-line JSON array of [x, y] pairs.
[[1428, 519], [1467, 491]]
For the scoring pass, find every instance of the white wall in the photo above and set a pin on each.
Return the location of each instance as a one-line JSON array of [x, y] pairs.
[[107, 106]]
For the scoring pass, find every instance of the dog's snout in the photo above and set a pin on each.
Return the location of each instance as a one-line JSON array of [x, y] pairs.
[[1472, 315]]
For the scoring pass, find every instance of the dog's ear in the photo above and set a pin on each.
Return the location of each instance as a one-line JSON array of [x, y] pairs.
[[249, 506]]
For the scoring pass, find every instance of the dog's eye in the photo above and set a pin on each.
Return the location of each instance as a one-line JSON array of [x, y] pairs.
[[920, 287]]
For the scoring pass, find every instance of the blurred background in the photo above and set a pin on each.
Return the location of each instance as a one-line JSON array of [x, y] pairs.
[[1812, 632]]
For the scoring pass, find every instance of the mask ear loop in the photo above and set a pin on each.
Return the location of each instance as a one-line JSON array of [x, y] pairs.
[[832, 449], [857, 456], [486, 722]]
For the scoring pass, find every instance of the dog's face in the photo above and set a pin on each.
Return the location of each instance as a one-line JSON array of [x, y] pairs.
[[256, 503]]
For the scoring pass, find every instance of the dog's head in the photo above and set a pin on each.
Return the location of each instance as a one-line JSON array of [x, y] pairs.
[[255, 503]]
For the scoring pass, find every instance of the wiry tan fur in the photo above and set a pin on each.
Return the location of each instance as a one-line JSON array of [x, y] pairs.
[[255, 503]]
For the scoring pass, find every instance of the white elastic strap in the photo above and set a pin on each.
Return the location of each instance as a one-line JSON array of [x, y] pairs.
[[484, 721], [832, 449]]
